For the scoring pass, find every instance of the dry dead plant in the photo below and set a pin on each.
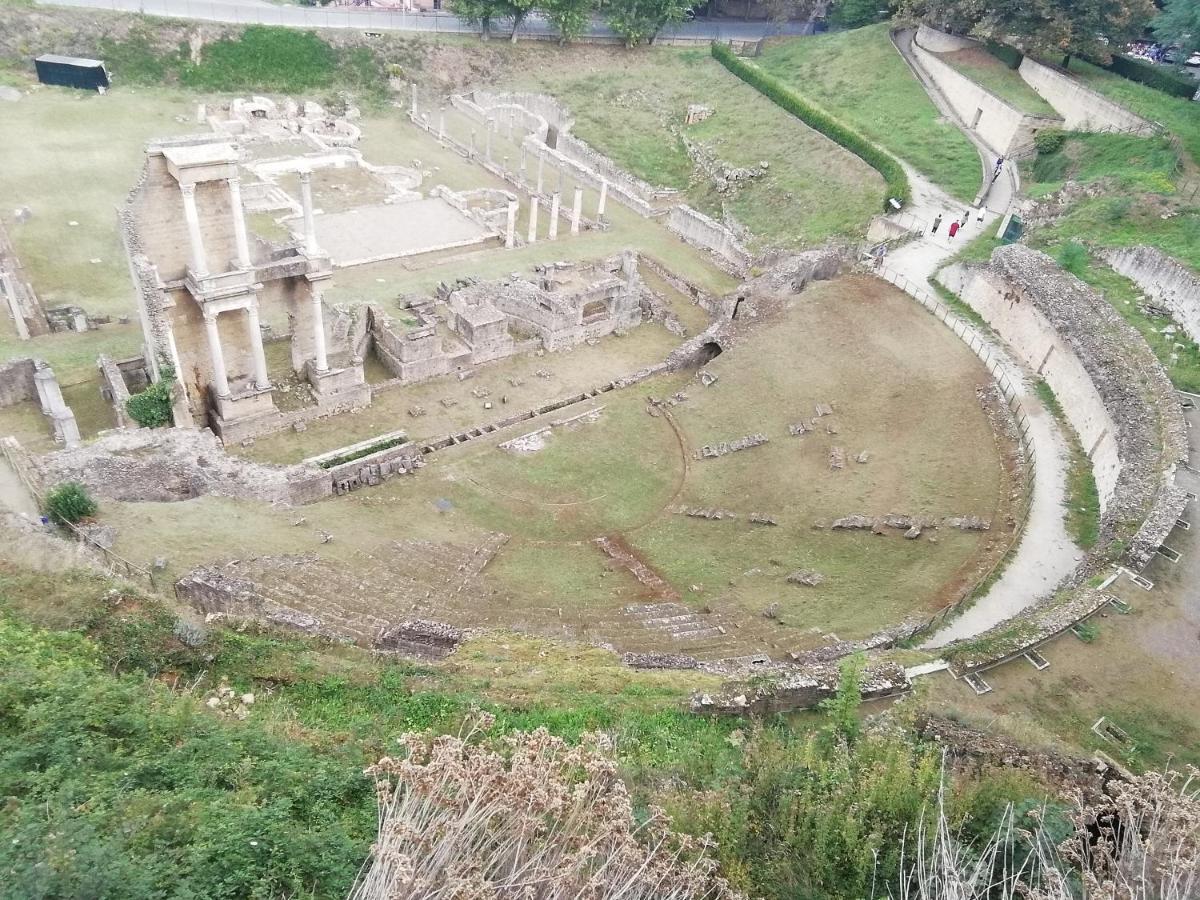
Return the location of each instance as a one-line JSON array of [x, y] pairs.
[[1140, 842], [527, 816]]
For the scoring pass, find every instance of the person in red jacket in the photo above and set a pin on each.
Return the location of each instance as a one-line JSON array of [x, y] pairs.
[[953, 228]]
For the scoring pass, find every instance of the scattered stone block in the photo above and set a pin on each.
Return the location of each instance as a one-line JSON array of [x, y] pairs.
[[847, 523], [824, 409], [805, 578], [448, 402], [862, 458], [912, 534], [798, 428], [697, 112], [416, 411], [712, 451], [761, 519], [837, 458], [967, 523], [299, 427], [771, 612], [708, 379]]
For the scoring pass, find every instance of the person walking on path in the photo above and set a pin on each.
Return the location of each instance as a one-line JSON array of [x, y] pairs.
[[999, 166], [954, 228], [937, 223], [966, 217]]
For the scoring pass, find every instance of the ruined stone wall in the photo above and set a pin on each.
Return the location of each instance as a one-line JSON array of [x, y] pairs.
[[16, 382], [1113, 390], [164, 465], [699, 230], [114, 390], [157, 210], [1164, 280], [1002, 126], [1082, 108]]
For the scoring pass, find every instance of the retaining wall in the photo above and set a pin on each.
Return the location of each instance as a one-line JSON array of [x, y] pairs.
[[1000, 125], [1112, 389], [699, 230], [1082, 108], [1166, 281]]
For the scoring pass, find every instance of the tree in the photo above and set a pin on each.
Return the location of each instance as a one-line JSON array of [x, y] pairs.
[[854, 13], [480, 13], [642, 20], [517, 11], [69, 502], [569, 17], [1179, 23], [1089, 28]]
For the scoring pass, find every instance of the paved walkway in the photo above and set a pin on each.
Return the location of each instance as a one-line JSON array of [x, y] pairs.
[[261, 12], [1046, 552]]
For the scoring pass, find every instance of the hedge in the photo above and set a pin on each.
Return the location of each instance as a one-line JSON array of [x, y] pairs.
[[1152, 76], [815, 117]]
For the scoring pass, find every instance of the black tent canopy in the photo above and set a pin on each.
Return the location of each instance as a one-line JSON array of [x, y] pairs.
[[71, 71]]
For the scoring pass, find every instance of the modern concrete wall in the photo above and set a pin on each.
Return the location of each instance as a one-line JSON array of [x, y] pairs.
[[940, 42], [1031, 335], [1082, 108], [1000, 125], [1165, 281]]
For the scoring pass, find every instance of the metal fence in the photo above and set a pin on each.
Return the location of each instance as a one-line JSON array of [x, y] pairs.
[[984, 348]]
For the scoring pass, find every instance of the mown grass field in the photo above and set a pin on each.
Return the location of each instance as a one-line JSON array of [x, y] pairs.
[[1177, 114], [860, 76], [631, 106]]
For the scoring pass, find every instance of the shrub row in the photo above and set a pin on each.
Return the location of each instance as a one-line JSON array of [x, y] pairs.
[[815, 117], [1152, 76]]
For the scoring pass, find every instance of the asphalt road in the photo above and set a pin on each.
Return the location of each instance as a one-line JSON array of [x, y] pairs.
[[260, 12]]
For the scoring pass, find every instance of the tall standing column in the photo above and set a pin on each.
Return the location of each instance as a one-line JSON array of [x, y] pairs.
[[310, 224], [239, 222], [554, 201], [254, 333], [220, 379], [533, 211], [510, 233], [603, 197], [576, 209], [318, 317], [195, 238]]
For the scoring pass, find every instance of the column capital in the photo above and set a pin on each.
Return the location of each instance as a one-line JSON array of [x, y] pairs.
[[210, 317], [305, 176], [187, 188], [233, 180]]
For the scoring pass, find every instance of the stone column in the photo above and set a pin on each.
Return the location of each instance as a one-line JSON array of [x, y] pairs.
[[523, 160], [576, 210], [554, 202], [239, 222], [510, 233], [254, 333], [8, 287], [603, 197], [310, 224], [533, 211], [541, 166], [442, 124], [318, 316], [512, 114], [220, 378], [195, 238]]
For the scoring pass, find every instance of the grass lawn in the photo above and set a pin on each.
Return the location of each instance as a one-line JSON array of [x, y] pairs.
[[1135, 164], [1180, 116], [859, 76], [78, 158], [993, 75], [631, 106]]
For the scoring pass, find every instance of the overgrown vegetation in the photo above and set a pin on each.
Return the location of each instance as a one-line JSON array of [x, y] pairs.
[[1081, 514], [874, 155], [1157, 77], [118, 786], [859, 77], [151, 408], [259, 58], [69, 503]]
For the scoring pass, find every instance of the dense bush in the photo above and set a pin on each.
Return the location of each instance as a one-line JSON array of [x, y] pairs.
[[815, 117], [152, 407], [1007, 54], [69, 502], [1157, 77], [1049, 140]]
